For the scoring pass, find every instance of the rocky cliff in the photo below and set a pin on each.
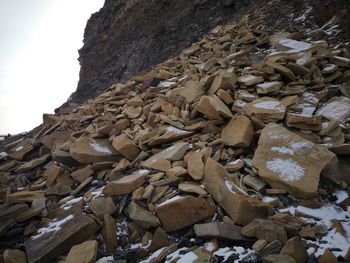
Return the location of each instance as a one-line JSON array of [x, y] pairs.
[[127, 37]]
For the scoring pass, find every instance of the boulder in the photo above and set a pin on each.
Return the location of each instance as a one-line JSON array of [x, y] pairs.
[[83, 253], [102, 205], [142, 216], [238, 132], [213, 108], [125, 185], [126, 147], [195, 165], [265, 109], [295, 248]]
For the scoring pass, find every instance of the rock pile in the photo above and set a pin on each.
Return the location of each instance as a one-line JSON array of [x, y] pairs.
[[236, 151]]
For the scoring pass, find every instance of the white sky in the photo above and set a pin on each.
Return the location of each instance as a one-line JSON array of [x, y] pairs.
[[39, 42]]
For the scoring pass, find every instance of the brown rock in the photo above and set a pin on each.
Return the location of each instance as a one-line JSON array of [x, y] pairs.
[[250, 80], [266, 230], [6, 166], [220, 230], [337, 108], [268, 87], [294, 248], [14, 256], [188, 210], [127, 184], [213, 108], [32, 164], [82, 174], [190, 187], [224, 80], [21, 151], [160, 239], [24, 196], [304, 122], [192, 91], [126, 147], [238, 132], [275, 258], [176, 171], [52, 173], [265, 109], [88, 150], [341, 61], [142, 216], [102, 205], [164, 135], [195, 165], [109, 234], [327, 257], [47, 245], [242, 209], [83, 253], [286, 160]]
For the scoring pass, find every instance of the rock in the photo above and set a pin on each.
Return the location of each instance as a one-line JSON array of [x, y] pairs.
[[176, 171], [102, 205], [126, 147], [295, 249], [83, 253], [265, 109], [224, 80], [220, 230], [266, 230], [142, 216], [20, 152], [88, 150], [238, 132], [188, 210], [284, 71], [340, 61], [52, 241], [24, 196], [14, 256], [160, 239], [268, 87], [195, 165], [304, 122], [189, 187], [52, 173], [109, 233], [327, 257], [249, 80], [32, 164], [254, 182], [125, 185], [82, 174], [191, 92], [213, 108], [199, 255], [242, 209], [259, 245], [337, 108], [286, 160], [160, 161], [164, 135], [274, 258]]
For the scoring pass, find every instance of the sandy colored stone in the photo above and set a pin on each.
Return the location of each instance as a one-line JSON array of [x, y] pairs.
[[125, 185], [337, 108], [268, 87], [164, 135], [188, 210], [213, 108], [190, 187], [14, 256], [276, 258], [195, 165], [265, 109], [241, 209], [82, 174], [142, 216], [126, 147], [88, 150], [238, 132], [220, 230], [287, 161], [21, 151], [176, 171], [327, 257], [83, 253], [304, 122], [32, 164], [250, 79], [294, 248], [192, 91], [109, 233], [102, 205]]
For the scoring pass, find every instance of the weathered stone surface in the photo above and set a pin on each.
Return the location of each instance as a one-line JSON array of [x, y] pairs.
[[142, 216], [250, 79], [21, 151], [304, 122], [274, 258], [83, 253], [82, 174], [265, 109], [213, 108], [125, 185], [52, 173], [126, 147], [327, 257], [238, 132], [268, 87], [173, 153], [52, 241], [266, 230], [195, 165], [32, 164], [24, 196], [164, 135], [286, 160], [88, 150], [220, 230], [189, 210], [337, 108], [192, 91], [14, 256], [109, 234], [189, 187], [294, 248], [242, 209], [102, 205]]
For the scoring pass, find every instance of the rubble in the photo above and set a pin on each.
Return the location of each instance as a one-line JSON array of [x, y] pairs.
[[238, 152]]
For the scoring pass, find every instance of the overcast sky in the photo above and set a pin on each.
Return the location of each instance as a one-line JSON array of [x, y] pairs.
[[38, 57]]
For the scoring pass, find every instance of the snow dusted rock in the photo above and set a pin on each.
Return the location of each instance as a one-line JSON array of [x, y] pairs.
[[88, 150], [337, 108], [266, 109], [250, 79], [286, 160]]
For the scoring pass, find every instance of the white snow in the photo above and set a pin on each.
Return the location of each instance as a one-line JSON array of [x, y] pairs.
[[301, 145], [246, 78], [341, 196], [294, 44], [53, 226], [177, 197], [3, 154], [71, 202], [122, 228], [336, 109], [270, 105], [153, 256], [288, 170], [105, 259], [176, 130], [176, 255], [226, 252], [282, 149], [2, 138], [188, 258], [167, 84], [100, 148], [97, 192], [209, 246], [267, 199], [19, 148]]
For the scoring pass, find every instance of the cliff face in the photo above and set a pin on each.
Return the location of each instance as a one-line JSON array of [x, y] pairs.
[[127, 37]]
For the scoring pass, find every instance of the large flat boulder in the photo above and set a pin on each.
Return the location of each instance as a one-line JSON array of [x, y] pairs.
[[286, 160]]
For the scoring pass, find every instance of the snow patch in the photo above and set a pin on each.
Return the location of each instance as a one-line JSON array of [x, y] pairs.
[[341, 196], [188, 258], [177, 197], [270, 105], [100, 148], [153, 256], [288, 170], [52, 227], [282, 150]]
